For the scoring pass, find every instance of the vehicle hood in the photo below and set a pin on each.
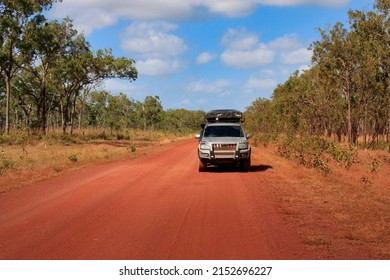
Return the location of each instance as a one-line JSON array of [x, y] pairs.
[[224, 140]]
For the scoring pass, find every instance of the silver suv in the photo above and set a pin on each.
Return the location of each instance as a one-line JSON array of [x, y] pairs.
[[223, 141]]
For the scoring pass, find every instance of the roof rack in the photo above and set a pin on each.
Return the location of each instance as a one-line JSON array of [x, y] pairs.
[[224, 115]]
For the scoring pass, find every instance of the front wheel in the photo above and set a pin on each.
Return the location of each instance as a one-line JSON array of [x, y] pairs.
[[246, 165], [202, 166]]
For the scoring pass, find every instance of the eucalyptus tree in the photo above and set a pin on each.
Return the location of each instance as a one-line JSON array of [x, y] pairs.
[[15, 15], [121, 112], [334, 52], [259, 117], [383, 34], [44, 45], [182, 120], [370, 79], [80, 68], [152, 112], [97, 109], [288, 104], [2, 98], [347, 89]]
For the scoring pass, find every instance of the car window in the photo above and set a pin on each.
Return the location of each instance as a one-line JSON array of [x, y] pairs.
[[223, 131]]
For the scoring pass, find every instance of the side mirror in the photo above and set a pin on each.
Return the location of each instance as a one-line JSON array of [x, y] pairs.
[[249, 136], [197, 136]]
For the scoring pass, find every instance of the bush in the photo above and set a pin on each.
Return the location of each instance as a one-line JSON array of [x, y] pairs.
[[73, 157], [5, 164], [343, 157], [264, 139], [315, 152], [132, 148]]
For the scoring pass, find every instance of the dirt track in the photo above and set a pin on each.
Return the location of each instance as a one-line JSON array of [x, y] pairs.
[[154, 207]]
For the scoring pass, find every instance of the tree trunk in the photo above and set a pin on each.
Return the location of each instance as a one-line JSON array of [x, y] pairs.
[[349, 116], [72, 114], [65, 116], [43, 112], [387, 133], [7, 103]]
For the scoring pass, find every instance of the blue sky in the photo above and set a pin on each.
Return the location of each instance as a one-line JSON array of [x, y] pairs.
[[206, 54]]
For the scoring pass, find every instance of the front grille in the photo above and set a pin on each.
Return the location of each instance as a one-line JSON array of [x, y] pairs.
[[224, 147]]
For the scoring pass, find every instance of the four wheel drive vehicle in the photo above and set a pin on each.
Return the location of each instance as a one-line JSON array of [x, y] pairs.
[[223, 141]]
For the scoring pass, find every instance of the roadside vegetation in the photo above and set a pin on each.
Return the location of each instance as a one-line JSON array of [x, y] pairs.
[[25, 159], [53, 114], [341, 104], [334, 118]]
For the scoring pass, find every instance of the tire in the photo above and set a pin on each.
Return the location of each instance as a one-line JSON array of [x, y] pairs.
[[202, 166], [246, 165]]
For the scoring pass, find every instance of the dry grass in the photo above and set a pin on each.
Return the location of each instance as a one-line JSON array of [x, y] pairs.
[[26, 159], [345, 214]]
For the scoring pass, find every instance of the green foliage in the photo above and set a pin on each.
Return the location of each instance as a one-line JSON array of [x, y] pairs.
[[49, 66], [180, 121], [73, 157], [52, 72], [21, 140], [264, 139], [346, 92], [16, 17], [375, 165], [315, 152], [152, 112], [305, 152], [132, 148], [343, 157], [5, 163]]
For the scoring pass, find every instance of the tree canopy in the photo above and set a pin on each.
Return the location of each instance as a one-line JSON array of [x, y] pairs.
[[345, 93], [50, 77]]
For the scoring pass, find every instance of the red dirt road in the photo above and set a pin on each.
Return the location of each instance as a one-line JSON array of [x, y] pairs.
[[154, 207]]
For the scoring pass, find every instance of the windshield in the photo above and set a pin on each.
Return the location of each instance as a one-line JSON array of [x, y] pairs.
[[223, 131]]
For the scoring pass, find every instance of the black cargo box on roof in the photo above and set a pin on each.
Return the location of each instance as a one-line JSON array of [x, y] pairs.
[[225, 115]]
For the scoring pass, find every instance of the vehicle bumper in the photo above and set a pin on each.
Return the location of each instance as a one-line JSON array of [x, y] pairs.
[[216, 157]]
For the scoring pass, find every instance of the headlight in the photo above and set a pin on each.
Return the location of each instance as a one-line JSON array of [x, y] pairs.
[[204, 146], [243, 145]]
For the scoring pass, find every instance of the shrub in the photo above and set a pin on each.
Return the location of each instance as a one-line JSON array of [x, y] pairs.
[[375, 165], [343, 157], [5, 163], [315, 152], [73, 157], [132, 148]]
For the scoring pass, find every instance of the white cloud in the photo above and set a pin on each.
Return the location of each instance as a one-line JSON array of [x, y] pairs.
[[240, 39], [299, 56], [89, 19], [255, 83], [202, 86], [117, 86], [267, 72], [328, 3], [229, 8], [89, 15], [245, 59], [204, 58], [159, 67], [289, 41], [244, 50], [153, 39], [156, 49]]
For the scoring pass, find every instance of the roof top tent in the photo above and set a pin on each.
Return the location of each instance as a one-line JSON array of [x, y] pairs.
[[225, 115]]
